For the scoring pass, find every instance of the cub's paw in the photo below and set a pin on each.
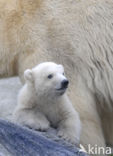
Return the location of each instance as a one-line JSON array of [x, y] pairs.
[[68, 136], [42, 125]]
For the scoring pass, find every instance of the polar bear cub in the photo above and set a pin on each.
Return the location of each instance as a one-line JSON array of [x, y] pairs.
[[42, 102]]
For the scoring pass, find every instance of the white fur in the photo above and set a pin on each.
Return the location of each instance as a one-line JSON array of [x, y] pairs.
[[75, 33], [41, 104]]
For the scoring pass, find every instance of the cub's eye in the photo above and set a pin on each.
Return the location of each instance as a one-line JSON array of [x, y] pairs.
[[50, 76], [62, 73]]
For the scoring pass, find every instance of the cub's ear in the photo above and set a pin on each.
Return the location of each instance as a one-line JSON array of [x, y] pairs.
[[61, 66], [28, 75]]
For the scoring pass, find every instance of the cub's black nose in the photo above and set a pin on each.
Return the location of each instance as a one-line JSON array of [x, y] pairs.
[[65, 83]]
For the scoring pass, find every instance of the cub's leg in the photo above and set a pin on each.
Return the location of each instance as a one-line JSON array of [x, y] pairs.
[[70, 128], [29, 118]]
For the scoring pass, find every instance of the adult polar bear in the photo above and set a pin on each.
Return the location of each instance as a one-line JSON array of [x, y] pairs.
[[75, 33]]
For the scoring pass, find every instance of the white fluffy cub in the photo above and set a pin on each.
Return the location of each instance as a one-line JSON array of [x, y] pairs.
[[43, 102]]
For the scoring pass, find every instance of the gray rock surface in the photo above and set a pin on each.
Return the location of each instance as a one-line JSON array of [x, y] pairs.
[[19, 141], [9, 88]]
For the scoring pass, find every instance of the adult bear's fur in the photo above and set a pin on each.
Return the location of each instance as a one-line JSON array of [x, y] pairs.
[[75, 33]]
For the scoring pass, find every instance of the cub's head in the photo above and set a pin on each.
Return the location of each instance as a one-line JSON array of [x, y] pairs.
[[47, 78]]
